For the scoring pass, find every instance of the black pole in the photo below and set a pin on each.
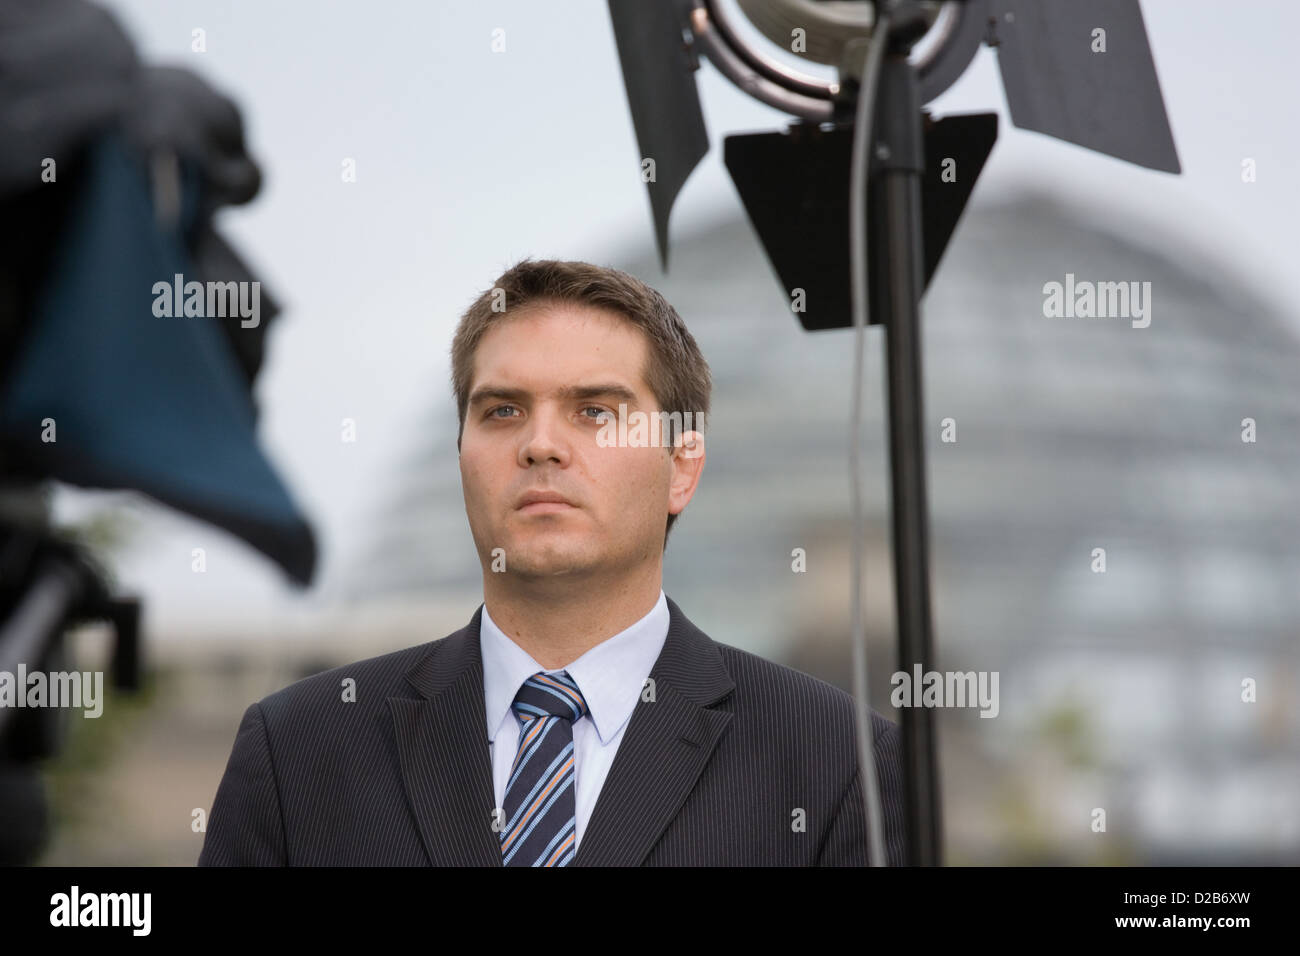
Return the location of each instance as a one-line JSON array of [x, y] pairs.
[[897, 165]]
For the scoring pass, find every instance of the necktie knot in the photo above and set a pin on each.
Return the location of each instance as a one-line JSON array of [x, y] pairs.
[[549, 695]]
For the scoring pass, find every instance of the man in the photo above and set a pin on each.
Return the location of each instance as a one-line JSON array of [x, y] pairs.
[[579, 718]]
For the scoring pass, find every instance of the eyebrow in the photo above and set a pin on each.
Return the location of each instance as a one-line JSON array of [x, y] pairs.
[[486, 393]]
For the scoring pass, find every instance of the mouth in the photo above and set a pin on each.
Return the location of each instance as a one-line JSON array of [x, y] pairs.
[[542, 501], [545, 507]]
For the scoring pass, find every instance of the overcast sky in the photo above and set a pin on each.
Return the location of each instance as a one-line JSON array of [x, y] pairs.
[[468, 160]]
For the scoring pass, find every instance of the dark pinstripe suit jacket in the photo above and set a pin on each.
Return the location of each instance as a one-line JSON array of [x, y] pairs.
[[712, 772]]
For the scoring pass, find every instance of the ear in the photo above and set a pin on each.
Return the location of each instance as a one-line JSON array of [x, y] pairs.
[[687, 459]]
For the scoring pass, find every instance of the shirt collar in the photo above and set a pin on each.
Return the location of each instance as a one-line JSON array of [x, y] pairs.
[[610, 675]]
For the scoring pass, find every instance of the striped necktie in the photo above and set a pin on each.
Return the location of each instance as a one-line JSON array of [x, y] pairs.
[[540, 818]]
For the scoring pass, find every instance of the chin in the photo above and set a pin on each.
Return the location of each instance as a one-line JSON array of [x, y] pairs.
[[552, 561]]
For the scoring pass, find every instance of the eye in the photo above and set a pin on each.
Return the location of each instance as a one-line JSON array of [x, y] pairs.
[[599, 410], [492, 413]]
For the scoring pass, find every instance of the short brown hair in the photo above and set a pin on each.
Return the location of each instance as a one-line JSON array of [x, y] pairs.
[[677, 373]]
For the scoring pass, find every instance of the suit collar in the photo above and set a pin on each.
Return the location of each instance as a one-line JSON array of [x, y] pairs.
[[447, 661], [443, 749], [691, 663]]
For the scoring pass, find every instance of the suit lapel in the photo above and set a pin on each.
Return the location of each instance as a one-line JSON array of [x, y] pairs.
[[667, 744], [443, 746]]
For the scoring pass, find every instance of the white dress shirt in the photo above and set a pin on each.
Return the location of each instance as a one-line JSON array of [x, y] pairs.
[[611, 677]]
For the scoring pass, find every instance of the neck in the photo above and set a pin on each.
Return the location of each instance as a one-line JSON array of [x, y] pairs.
[[556, 626]]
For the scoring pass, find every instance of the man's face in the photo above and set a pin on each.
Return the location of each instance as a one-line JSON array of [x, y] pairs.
[[541, 379]]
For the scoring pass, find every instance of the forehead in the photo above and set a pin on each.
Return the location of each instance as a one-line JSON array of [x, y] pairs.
[[547, 345]]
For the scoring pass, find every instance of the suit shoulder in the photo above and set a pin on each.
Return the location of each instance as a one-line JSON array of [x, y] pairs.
[[375, 680], [757, 677]]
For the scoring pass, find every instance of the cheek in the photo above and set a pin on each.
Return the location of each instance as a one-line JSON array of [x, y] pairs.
[[636, 475], [476, 480]]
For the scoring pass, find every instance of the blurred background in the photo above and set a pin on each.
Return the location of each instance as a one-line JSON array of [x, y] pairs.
[[1120, 690]]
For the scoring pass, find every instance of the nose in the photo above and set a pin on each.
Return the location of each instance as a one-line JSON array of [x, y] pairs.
[[543, 438]]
